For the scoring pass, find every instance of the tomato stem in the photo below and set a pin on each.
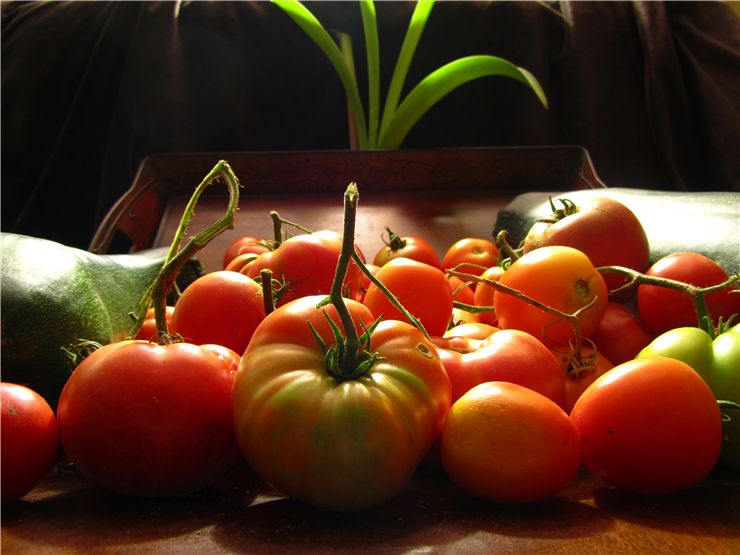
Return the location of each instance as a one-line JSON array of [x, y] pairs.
[[505, 248], [395, 241], [267, 291]]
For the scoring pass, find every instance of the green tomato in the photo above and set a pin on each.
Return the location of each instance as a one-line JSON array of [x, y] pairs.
[[718, 363]]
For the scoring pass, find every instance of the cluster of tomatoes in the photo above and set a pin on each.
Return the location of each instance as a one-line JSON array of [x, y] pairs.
[[512, 377]]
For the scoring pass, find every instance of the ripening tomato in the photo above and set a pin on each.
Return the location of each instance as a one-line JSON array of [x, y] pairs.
[[408, 246], [220, 307], [509, 444], [307, 263], [148, 419], [604, 229], [337, 440], [484, 294], [422, 289], [649, 426], [559, 277], [148, 330], [620, 334], [243, 245], [663, 309], [29, 439], [475, 253]]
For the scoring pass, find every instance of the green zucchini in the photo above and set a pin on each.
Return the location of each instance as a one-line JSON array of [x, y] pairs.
[[54, 296]]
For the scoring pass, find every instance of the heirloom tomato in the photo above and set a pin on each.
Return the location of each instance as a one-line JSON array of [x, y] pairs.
[[243, 245], [220, 307], [718, 362], [559, 277], [307, 263], [29, 439], [604, 229], [504, 356], [475, 253], [336, 441], [422, 289], [662, 309], [409, 246], [649, 426], [148, 419], [620, 334], [509, 444]]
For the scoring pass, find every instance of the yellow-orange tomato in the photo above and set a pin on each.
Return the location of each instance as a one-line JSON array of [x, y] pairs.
[[504, 442]]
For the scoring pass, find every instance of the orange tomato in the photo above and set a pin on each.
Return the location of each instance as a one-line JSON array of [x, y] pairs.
[[477, 254]]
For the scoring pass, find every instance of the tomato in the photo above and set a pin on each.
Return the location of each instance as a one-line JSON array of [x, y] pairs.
[[365, 281], [649, 426], [220, 307], [241, 262], [662, 309], [307, 263], [560, 277], [620, 334], [509, 444], [473, 330], [718, 362], [461, 292], [579, 374], [29, 439], [337, 442], [422, 289], [148, 419], [148, 330], [506, 355], [484, 294], [604, 229], [408, 246], [243, 245], [475, 253]]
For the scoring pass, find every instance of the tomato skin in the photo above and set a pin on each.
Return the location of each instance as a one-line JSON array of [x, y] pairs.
[[530, 451], [29, 439], [504, 356], [241, 262], [484, 294], [308, 263], [220, 307], [147, 419], [408, 246], [476, 253], [649, 426], [662, 309], [460, 292], [340, 445], [620, 334], [148, 330], [605, 230], [560, 277], [422, 289], [243, 245]]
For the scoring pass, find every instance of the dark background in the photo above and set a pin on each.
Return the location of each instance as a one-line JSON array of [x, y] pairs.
[[90, 88]]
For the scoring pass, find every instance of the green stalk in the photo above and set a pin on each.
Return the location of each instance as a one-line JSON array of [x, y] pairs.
[[408, 48], [444, 80], [370, 27], [316, 31], [345, 46]]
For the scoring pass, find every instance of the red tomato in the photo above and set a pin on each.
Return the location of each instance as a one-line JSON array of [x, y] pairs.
[[559, 277], [621, 334], [148, 419], [338, 442], [148, 330], [663, 309], [604, 229], [477, 254], [504, 356], [307, 263], [29, 439], [460, 292], [484, 294], [409, 246], [472, 330], [578, 376], [243, 245], [509, 444], [422, 289], [366, 280], [241, 262], [649, 426], [220, 307]]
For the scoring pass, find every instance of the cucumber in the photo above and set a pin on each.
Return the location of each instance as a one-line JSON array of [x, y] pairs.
[[54, 296]]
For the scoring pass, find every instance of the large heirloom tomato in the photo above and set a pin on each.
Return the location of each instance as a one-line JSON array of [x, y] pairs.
[[148, 419], [337, 443], [307, 263]]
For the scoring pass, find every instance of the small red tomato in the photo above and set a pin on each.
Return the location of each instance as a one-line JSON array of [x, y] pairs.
[[408, 246], [29, 439], [461, 292], [241, 262], [620, 334], [475, 253], [243, 245], [663, 309], [148, 330], [484, 295]]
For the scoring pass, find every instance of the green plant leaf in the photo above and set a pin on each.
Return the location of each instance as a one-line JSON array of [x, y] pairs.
[[370, 27], [444, 80], [316, 31]]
